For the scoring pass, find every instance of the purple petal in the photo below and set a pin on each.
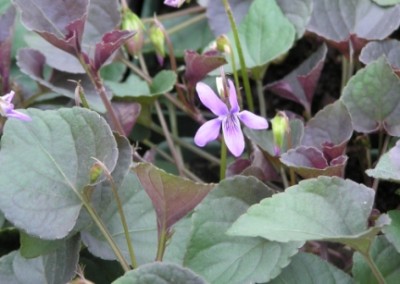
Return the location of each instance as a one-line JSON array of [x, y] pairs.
[[18, 115], [211, 100], [8, 97], [207, 132], [233, 135], [233, 97], [252, 121]]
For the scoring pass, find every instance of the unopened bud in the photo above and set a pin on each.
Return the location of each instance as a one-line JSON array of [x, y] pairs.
[[95, 172], [280, 129], [158, 39], [175, 3], [131, 22], [223, 44]]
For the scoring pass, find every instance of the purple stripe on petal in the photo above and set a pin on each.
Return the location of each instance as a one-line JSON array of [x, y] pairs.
[[252, 121], [233, 135], [207, 132], [233, 97], [211, 100]]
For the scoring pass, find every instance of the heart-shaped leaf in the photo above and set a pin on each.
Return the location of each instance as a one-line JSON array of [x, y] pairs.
[[311, 269], [390, 48], [310, 162], [199, 65], [352, 22], [392, 231], [7, 25], [385, 257], [173, 197], [110, 42], [42, 269], [340, 210], [329, 130], [32, 63], [225, 259], [141, 220], [127, 113], [372, 97], [388, 167], [160, 272], [32, 247], [56, 150], [59, 22], [265, 34], [300, 84]]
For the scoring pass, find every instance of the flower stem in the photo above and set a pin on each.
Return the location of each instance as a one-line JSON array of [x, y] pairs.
[[162, 240], [378, 275], [261, 98], [243, 67], [222, 169]]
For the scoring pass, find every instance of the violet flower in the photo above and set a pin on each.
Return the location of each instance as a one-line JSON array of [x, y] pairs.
[[174, 3], [7, 108], [228, 116]]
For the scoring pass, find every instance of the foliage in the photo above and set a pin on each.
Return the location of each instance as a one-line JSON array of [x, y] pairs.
[[99, 161]]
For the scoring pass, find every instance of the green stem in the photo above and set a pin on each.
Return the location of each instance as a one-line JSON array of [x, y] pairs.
[[261, 98], [236, 78], [162, 241], [188, 146], [243, 67], [345, 64], [378, 275], [222, 168], [176, 14], [383, 145], [103, 229]]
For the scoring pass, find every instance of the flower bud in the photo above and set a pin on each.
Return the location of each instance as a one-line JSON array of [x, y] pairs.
[[131, 22], [280, 129], [223, 44], [157, 37], [174, 3]]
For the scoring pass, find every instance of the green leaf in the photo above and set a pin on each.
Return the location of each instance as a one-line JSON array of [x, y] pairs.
[[324, 208], [386, 258], [386, 2], [298, 12], [172, 196], [113, 72], [392, 232], [372, 97], [133, 86], [163, 82], [388, 167], [265, 34], [141, 221], [54, 268], [176, 246], [158, 272], [311, 269], [56, 151], [32, 247], [225, 259]]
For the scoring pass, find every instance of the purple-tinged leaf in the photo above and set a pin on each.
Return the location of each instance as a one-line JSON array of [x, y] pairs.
[[59, 22], [310, 162], [173, 197], [329, 130], [32, 63], [388, 167], [372, 97], [110, 43], [300, 84], [127, 113], [199, 65], [352, 22], [6, 32], [217, 18], [390, 48]]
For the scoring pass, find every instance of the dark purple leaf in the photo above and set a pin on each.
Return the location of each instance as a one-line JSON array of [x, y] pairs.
[[127, 113], [32, 63], [300, 84], [310, 162], [217, 18], [173, 197], [390, 48], [353, 21], [59, 22], [199, 65], [6, 32], [329, 130], [110, 42]]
